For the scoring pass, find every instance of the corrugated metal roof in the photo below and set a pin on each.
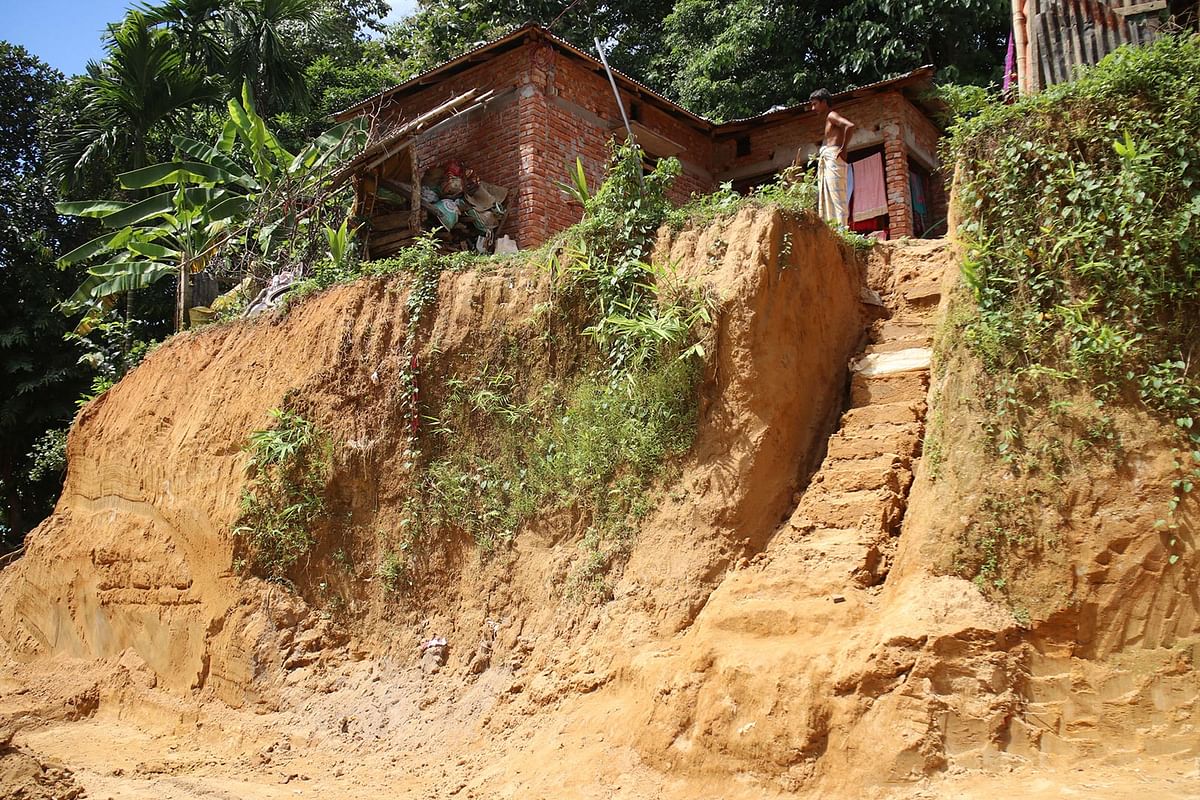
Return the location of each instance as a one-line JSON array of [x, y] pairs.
[[915, 76], [533, 30], [528, 30], [495, 43]]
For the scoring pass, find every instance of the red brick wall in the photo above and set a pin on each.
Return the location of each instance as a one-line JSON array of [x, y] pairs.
[[922, 137], [886, 119], [477, 139], [551, 110], [582, 115]]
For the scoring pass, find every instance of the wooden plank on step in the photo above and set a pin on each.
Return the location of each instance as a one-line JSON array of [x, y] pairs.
[[385, 221], [381, 242]]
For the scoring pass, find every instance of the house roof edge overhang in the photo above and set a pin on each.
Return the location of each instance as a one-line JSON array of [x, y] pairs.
[[917, 77], [528, 32], [532, 31]]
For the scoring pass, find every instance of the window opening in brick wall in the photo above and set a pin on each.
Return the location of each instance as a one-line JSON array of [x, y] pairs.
[[649, 162], [920, 197], [747, 185], [743, 146]]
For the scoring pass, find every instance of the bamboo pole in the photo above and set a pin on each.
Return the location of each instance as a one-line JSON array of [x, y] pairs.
[[1021, 45]]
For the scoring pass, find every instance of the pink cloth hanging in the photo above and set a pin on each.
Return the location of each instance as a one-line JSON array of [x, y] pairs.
[[1010, 65], [870, 189]]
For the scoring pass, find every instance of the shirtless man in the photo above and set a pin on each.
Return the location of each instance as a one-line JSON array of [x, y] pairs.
[[832, 169]]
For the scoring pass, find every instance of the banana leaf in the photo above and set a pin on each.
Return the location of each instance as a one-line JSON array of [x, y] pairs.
[[214, 156], [154, 251], [175, 172], [103, 243], [89, 208]]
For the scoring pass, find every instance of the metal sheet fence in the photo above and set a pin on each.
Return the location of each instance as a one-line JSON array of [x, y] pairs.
[[1066, 34]]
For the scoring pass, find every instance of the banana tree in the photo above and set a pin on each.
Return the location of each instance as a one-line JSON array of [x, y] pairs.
[[207, 201]]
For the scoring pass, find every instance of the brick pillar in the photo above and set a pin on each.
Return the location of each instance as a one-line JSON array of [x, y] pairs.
[[895, 155], [533, 113]]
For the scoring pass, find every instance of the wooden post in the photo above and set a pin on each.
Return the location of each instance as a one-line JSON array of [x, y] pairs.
[[415, 213], [1021, 45]]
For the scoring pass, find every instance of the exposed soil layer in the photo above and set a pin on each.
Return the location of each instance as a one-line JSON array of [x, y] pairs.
[[788, 623]]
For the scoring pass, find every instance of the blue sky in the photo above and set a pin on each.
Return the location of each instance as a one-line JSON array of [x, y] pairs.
[[66, 33]]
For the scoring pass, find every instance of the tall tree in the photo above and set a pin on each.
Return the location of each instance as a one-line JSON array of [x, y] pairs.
[[263, 38], [630, 29], [143, 80], [198, 28], [734, 58], [39, 374], [731, 58]]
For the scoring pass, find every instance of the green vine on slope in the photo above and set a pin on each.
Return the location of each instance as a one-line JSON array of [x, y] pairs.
[[1082, 219], [510, 444], [290, 464]]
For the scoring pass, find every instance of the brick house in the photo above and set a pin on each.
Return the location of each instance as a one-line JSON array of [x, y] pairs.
[[548, 103]]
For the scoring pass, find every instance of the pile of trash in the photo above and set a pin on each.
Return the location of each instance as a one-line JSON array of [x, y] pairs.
[[468, 209]]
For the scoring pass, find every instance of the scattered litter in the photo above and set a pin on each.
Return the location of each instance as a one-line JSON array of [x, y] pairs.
[[437, 641], [433, 654], [468, 210], [269, 297], [837, 598]]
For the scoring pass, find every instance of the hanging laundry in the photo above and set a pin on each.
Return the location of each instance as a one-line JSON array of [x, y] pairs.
[[870, 189], [1010, 65]]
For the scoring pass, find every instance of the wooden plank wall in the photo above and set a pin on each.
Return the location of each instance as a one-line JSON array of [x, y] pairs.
[[1066, 34]]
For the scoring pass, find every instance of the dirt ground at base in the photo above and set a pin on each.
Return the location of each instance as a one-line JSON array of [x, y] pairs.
[[149, 744]]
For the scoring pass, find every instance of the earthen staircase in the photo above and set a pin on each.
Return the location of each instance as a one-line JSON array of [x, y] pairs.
[[855, 503], [788, 637]]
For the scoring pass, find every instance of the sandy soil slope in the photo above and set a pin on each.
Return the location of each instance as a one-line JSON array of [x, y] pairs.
[[784, 627]]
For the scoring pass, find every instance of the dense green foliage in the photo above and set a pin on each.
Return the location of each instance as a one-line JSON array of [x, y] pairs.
[[728, 59], [208, 206], [289, 466], [39, 376], [1081, 214], [735, 59], [145, 82]]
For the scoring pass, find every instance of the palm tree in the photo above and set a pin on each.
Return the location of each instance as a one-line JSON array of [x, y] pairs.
[[262, 36], [198, 27], [247, 40], [142, 81]]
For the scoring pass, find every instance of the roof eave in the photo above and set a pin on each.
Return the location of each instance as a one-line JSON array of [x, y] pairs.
[[918, 75], [532, 31]]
